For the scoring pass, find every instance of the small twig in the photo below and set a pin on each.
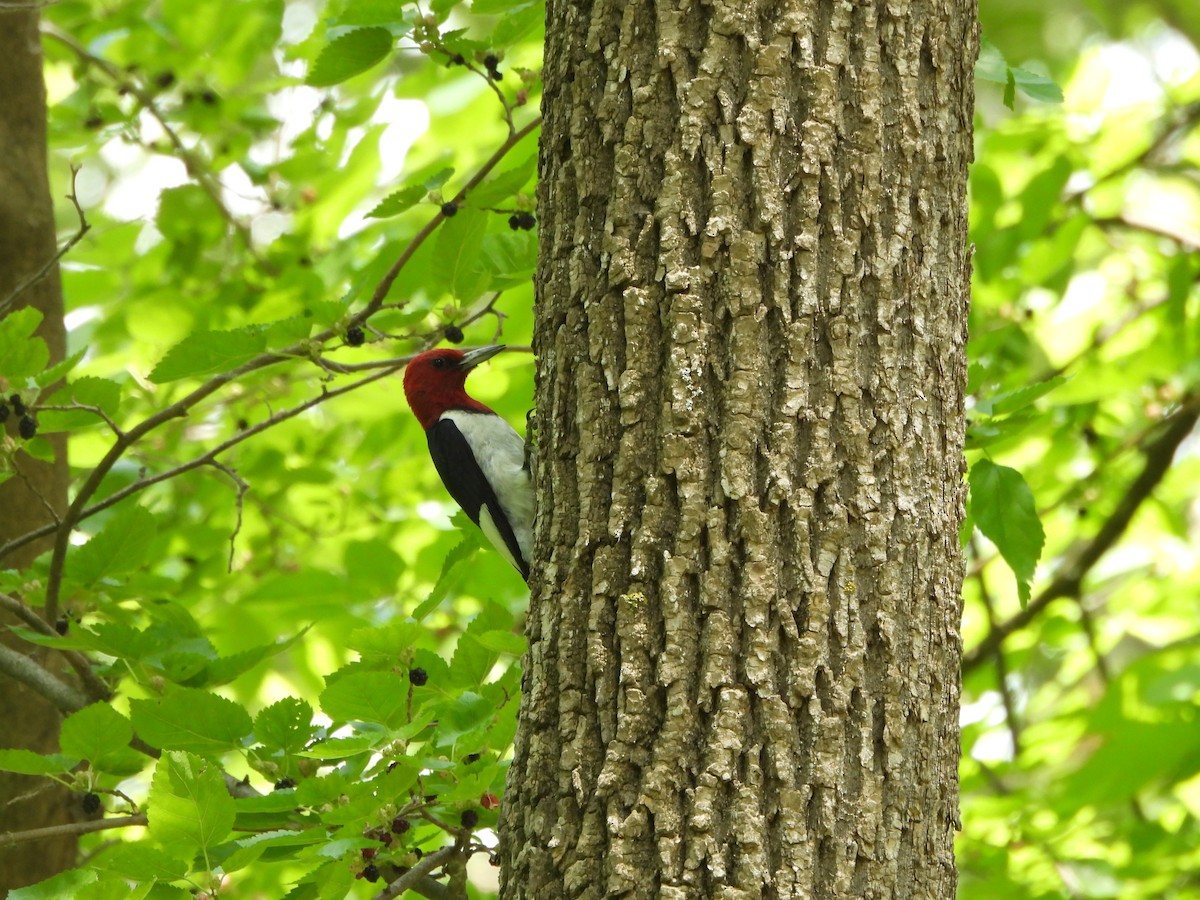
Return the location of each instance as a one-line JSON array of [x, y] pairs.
[[1006, 696], [10, 838], [84, 228], [242, 487]]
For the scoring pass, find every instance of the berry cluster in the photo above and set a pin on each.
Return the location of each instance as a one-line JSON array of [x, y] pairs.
[[27, 426], [522, 221]]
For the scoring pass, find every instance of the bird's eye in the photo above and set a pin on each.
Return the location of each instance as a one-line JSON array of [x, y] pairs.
[[439, 363]]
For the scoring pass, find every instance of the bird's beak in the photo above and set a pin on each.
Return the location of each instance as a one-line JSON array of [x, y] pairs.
[[472, 358]]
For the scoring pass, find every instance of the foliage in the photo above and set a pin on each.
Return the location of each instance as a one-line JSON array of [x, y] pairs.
[[320, 671], [264, 575], [1081, 767]]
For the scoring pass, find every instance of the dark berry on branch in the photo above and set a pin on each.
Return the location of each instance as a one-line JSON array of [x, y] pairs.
[[27, 427], [355, 336], [454, 334], [418, 676], [449, 209]]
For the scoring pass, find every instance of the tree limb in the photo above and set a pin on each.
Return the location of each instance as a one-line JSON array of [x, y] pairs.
[[1067, 581], [10, 838], [25, 670]]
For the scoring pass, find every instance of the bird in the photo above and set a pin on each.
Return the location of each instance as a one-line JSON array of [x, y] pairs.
[[480, 457]]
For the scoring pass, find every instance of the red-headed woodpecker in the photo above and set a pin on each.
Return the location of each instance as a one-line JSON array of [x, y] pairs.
[[480, 457]]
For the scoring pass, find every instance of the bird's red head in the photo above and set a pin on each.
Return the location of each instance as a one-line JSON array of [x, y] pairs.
[[434, 381]]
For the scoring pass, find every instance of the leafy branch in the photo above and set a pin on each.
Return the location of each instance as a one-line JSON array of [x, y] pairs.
[[1158, 454]]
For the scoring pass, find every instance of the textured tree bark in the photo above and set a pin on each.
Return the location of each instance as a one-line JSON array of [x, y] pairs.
[[752, 299], [27, 243]]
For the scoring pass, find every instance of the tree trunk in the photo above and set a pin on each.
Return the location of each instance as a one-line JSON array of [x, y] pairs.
[[27, 243], [742, 679]]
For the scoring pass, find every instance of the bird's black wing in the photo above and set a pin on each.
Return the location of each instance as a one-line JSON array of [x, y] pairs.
[[460, 473]]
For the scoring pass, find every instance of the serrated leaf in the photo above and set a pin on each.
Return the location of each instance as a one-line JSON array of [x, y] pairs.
[[502, 186], [438, 178], [210, 352], [224, 669], [59, 370], [95, 732], [120, 546], [190, 719], [472, 540], [342, 748], [64, 884], [26, 762], [380, 697], [1003, 508], [285, 725], [348, 55], [21, 354], [190, 810], [1012, 401], [396, 203]]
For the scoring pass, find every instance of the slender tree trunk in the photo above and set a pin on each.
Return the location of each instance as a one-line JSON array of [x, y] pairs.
[[27, 243], [744, 628]]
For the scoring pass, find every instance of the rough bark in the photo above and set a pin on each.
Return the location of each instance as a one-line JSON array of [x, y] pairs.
[[27, 242], [744, 649]]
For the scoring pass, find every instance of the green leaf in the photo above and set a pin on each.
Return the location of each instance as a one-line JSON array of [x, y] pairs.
[[189, 719], [141, 862], [396, 203], [95, 732], [1036, 86], [210, 352], [64, 884], [26, 762], [373, 567], [1012, 401], [120, 546], [21, 354], [1003, 508], [380, 697], [285, 725], [375, 12], [457, 254], [190, 810], [348, 55], [59, 370], [472, 541], [224, 669]]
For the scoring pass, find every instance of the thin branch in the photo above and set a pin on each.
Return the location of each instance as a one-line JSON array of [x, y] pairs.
[[242, 487], [10, 838], [95, 686], [84, 228], [83, 407], [23, 669], [417, 873], [1067, 582], [1011, 718], [385, 283]]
